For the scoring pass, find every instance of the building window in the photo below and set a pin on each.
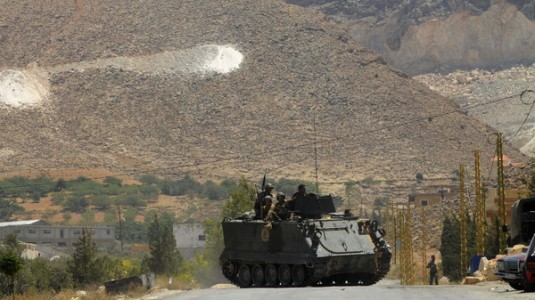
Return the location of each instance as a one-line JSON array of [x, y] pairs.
[[77, 232], [108, 231], [47, 231], [62, 244], [31, 231], [16, 231], [202, 237], [423, 202]]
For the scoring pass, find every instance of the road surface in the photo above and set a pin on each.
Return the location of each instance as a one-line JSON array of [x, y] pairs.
[[386, 289]]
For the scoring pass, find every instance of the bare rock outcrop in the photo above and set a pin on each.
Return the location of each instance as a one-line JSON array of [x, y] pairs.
[[425, 36]]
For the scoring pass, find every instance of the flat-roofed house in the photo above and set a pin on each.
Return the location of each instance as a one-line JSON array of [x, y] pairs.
[[41, 233]]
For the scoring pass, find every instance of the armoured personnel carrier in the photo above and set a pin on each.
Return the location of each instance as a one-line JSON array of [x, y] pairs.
[[314, 246]]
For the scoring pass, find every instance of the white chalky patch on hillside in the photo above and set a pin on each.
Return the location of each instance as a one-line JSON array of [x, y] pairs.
[[28, 88], [22, 88], [226, 60]]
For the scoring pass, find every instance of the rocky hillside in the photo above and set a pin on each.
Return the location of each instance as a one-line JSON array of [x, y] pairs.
[[425, 36], [503, 99], [216, 89]]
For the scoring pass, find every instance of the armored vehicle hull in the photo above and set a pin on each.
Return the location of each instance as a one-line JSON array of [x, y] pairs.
[[333, 250]]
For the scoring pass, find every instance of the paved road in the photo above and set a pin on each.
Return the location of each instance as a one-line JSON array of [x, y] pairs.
[[386, 289]]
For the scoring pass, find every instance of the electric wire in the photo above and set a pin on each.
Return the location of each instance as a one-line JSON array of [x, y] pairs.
[[289, 149]]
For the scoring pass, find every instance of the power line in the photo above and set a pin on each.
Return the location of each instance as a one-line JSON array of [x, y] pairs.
[[289, 149]]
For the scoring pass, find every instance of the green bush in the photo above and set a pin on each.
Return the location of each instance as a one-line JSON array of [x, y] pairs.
[[110, 180], [76, 204], [101, 202], [58, 198]]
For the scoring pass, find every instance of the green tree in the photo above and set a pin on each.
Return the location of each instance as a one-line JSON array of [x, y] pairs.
[[240, 200], [58, 198], [164, 256], [11, 243], [60, 185], [149, 180], [8, 208], [150, 192], [76, 203], [83, 266], [450, 248], [101, 202], [10, 264], [110, 180], [44, 275], [36, 196]]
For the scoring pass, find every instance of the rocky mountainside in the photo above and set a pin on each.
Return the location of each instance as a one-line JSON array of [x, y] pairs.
[[422, 36], [504, 99], [216, 89]]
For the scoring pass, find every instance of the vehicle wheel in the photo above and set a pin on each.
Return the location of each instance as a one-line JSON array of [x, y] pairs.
[[258, 275], [244, 276], [516, 285], [298, 275], [529, 287], [271, 275], [229, 269], [285, 275]]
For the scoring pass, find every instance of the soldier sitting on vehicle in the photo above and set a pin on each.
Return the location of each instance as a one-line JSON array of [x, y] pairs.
[[278, 210], [260, 199], [266, 207]]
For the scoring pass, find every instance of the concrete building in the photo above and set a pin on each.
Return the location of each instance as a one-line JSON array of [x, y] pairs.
[[433, 195], [43, 234], [190, 239]]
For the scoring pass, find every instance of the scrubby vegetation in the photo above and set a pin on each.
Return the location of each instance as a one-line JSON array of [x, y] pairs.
[[450, 246], [90, 267]]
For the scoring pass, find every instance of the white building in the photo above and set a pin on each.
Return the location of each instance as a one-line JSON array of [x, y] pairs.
[[190, 239], [40, 233]]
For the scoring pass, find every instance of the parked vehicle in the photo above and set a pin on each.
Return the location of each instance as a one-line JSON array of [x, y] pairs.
[[528, 279], [509, 268]]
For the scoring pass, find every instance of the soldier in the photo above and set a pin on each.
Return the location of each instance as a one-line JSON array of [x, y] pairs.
[[266, 207], [259, 203], [278, 210], [433, 272], [301, 192]]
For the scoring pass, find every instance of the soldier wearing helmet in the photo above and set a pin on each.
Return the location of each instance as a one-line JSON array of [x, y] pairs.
[[260, 202]]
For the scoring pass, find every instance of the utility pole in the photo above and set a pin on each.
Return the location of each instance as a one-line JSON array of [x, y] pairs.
[[480, 210], [394, 226], [464, 243], [119, 212], [406, 259], [501, 193], [424, 243]]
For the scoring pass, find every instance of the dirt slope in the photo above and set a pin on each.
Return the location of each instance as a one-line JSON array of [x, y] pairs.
[[297, 67]]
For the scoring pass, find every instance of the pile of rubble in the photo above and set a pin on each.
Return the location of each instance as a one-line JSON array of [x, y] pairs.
[[487, 268]]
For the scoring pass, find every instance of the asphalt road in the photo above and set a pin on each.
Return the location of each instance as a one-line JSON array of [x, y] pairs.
[[386, 289]]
